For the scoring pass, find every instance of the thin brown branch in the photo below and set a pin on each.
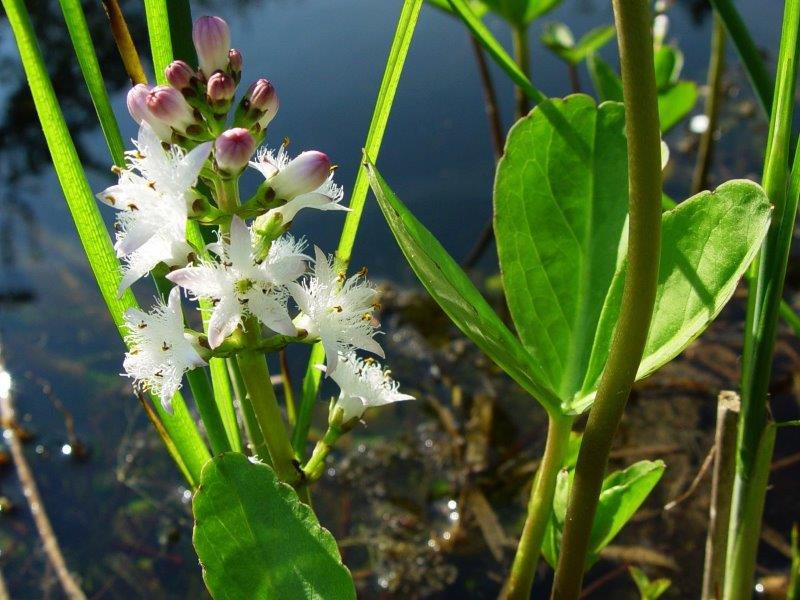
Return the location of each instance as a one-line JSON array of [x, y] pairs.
[[704, 468], [124, 41]]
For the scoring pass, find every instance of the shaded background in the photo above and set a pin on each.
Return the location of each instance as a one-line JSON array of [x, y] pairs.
[[122, 513]]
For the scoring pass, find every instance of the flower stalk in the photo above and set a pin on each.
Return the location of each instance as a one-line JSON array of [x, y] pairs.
[[633, 21]]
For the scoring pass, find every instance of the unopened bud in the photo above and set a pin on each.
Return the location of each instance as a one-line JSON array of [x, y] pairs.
[[233, 149], [220, 89], [235, 64], [180, 75], [258, 106], [170, 107], [302, 175], [212, 40], [137, 106]]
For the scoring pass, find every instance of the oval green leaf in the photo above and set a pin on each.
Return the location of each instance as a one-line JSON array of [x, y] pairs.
[[255, 539], [453, 291]]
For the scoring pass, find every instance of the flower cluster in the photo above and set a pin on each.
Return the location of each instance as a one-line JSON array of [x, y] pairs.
[[255, 282]]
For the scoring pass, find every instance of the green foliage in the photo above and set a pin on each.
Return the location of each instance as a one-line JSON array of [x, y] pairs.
[[560, 222], [648, 590], [560, 40], [189, 450], [676, 98], [520, 13], [255, 539], [454, 292], [477, 7], [622, 494]]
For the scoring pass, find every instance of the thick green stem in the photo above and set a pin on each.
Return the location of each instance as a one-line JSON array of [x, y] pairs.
[[633, 21], [258, 446], [253, 367], [716, 67], [762, 314], [315, 466], [523, 60], [520, 580]]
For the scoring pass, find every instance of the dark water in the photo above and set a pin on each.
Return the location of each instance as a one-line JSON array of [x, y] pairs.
[[120, 515]]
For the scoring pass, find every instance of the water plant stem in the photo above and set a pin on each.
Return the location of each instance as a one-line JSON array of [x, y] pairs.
[[540, 505], [633, 21], [258, 446], [315, 466], [209, 412], [288, 390], [125, 45], [716, 68], [522, 57], [761, 324], [261, 395]]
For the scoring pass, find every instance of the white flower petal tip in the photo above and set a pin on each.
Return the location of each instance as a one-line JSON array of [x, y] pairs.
[[364, 384]]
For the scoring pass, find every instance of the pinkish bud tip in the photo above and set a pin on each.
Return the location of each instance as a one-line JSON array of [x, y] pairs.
[[212, 40], [170, 107], [180, 75], [233, 149], [137, 106], [264, 98], [221, 87], [302, 175]]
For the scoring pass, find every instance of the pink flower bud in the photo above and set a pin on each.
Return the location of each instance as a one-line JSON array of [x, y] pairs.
[[137, 106], [233, 149], [220, 88], [212, 40], [235, 61], [302, 175], [170, 107], [264, 99], [180, 75]]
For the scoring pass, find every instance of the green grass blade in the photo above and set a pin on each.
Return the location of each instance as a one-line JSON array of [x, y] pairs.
[[157, 13], [757, 72], [380, 116], [495, 50], [191, 450], [90, 67]]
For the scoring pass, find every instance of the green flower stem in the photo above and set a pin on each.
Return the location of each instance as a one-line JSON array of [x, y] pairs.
[[258, 444], [519, 35], [209, 413], [540, 506], [260, 393], [227, 196], [315, 466], [716, 67], [762, 313], [633, 21]]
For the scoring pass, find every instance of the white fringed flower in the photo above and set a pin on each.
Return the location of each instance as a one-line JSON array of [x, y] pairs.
[[154, 194], [305, 182], [337, 312], [239, 286], [363, 384], [160, 353]]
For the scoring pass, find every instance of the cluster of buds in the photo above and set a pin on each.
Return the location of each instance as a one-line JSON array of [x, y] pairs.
[[255, 281]]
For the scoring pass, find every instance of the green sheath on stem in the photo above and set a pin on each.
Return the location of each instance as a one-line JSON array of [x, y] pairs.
[[634, 23], [540, 506]]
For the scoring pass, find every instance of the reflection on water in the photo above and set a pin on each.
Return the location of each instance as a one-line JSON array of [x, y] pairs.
[[122, 516]]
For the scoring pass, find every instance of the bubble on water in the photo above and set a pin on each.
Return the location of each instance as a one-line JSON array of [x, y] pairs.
[[452, 504], [454, 516], [66, 450], [699, 124], [186, 496]]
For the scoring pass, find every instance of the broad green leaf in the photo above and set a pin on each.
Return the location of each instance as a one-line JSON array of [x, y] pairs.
[[558, 38], [255, 539], [675, 102], [187, 447], [607, 84], [451, 288], [560, 200], [622, 494], [708, 241], [648, 590], [404, 33]]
